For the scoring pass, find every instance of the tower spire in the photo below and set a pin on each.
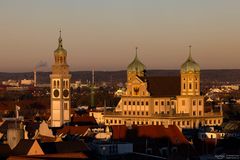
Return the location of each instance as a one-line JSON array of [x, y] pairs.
[[60, 39], [136, 52], [190, 52]]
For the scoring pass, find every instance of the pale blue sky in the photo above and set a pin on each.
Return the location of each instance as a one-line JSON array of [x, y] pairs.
[[103, 34]]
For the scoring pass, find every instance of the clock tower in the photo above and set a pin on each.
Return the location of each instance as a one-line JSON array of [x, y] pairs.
[[60, 87]]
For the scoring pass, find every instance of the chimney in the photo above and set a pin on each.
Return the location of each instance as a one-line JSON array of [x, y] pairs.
[[35, 77]]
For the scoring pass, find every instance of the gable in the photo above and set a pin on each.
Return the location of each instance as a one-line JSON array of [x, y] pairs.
[[35, 149]]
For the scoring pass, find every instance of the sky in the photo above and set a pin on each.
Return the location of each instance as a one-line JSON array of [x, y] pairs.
[[103, 34]]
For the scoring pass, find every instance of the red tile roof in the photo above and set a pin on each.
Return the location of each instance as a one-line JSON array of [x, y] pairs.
[[73, 130], [150, 131], [88, 120], [164, 86]]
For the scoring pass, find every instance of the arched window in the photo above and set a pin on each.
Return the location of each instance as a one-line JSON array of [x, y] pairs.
[[190, 85]]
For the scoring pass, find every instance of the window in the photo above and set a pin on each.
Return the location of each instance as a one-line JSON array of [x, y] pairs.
[[157, 123], [54, 84], [142, 123], [133, 112], [196, 85], [156, 103], [137, 113], [162, 103], [125, 112], [172, 102], [200, 113], [194, 113], [134, 103], [214, 122], [111, 121], [187, 122], [138, 103], [219, 121], [167, 112], [190, 85], [65, 106], [152, 122], [156, 112], [146, 113], [125, 103], [146, 103], [147, 122], [184, 86], [205, 122], [115, 121], [107, 121], [183, 102], [142, 113], [210, 121], [168, 103], [178, 123], [174, 123], [142, 103], [133, 123], [200, 102], [129, 103], [183, 123], [119, 121], [129, 112], [58, 84], [194, 102]]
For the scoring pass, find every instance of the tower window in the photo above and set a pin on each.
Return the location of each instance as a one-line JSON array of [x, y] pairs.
[[58, 84], [65, 106], [54, 84], [194, 102], [200, 113], [190, 85], [184, 86]]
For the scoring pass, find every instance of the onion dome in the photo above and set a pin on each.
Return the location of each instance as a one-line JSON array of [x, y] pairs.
[[190, 65], [136, 65], [60, 51]]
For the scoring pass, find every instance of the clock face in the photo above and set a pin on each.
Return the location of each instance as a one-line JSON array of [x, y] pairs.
[[65, 93], [56, 93]]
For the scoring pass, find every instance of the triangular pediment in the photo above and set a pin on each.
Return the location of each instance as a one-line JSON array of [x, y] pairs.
[[136, 80]]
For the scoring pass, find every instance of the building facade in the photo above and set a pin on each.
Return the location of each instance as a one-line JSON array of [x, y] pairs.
[[163, 100], [60, 87]]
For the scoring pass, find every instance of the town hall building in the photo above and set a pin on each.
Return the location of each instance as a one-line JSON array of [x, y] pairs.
[[163, 100]]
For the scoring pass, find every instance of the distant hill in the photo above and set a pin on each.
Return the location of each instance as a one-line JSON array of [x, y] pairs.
[[207, 76]]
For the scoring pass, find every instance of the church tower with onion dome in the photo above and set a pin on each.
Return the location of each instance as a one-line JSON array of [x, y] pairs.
[[60, 87], [190, 77], [135, 68]]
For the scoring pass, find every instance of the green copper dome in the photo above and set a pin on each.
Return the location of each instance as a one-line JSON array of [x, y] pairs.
[[136, 65], [190, 65]]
